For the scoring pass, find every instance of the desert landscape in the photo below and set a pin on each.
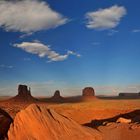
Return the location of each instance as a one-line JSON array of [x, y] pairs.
[[69, 70], [85, 117]]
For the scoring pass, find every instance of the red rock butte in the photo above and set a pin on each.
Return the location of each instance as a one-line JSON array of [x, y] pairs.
[[88, 91], [24, 94], [56, 97]]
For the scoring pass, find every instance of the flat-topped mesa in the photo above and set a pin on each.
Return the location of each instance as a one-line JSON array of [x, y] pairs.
[[129, 94], [23, 91], [24, 95], [88, 92]]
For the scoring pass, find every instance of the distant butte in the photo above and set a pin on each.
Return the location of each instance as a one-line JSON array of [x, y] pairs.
[[88, 91], [24, 94], [56, 97]]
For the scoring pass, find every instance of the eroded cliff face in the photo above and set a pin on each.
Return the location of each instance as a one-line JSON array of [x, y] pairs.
[[40, 123]]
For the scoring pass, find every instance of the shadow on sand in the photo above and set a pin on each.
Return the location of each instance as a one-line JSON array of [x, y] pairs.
[[73, 99]]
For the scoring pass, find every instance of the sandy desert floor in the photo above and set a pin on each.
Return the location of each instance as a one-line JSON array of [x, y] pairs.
[[94, 116], [82, 112]]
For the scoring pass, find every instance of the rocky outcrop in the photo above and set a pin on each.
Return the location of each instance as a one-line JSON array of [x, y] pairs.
[[120, 127], [5, 121], [88, 92], [120, 131], [130, 117], [129, 94], [23, 91], [56, 97], [123, 120], [57, 94], [40, 123], [24, 95]]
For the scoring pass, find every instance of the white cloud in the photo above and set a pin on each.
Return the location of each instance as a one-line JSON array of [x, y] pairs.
[[136, 31], [112, 32], [44, 50], [105, 18], [6, 66], [96, 43], [26, 35], [73, 53], [28, 16], [27, 59]]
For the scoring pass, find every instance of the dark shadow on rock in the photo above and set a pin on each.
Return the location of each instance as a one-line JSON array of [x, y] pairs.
[[134, 116], [5, 121]]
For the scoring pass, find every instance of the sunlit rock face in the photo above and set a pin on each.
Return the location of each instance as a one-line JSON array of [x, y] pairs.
[[40, 123]]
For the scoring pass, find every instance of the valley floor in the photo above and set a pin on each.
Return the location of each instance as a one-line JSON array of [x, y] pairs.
[[81, 112]]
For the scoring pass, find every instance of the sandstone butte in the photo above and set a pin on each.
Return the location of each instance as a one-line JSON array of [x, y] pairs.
[[88, 91], [56, 97], [24, 95], [40, 123]]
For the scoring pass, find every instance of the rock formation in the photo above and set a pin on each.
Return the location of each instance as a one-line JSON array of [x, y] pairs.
[[129, 95], [120, 131], [88, 92], [57, 97], [57, 94], [40, 123], [23, 91], [120, 127], [24, 94], [5, 121], [123, 120]]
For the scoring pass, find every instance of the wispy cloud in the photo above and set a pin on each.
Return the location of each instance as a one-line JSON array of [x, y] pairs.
[[6, 66], [28, 16], [115, 90], [27, 59], [136, 31], [105, 18], [7, 91], [96, 43], [25, 35], [43, 50], [112, 32]]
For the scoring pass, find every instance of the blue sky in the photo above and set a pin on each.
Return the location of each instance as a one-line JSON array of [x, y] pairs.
[[68, 45]]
